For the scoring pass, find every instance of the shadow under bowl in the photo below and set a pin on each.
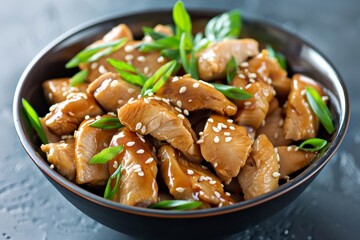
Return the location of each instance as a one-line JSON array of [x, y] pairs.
[[217, 222]]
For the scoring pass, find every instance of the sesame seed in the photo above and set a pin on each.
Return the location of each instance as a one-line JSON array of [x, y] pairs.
[[52, 166], [276, 135], [178, 109], [112, 114], [220, 205], [141, 58], [141, 174], [221, 125], [190, 172], [167, 101], [227, 194], [102, 69], [129, 57], [105, 144], [251, 80], [196, 85], [210, 120], [216, 164], [146, 100], [296, 149], [129, 48], [94, 65], [149, 160], [97, 117], [140, 151], [276, 174], [143, 129], [179, 103], [136, 166], [247, 103], [157, 98], [325, 98], [137, 170], [186, 112], [115, 164], [131, 90], [175, 79], [252, 75], [216, 139], [130, 100], [200, 141], [130, 144], [232, 128], [217, 194], [215, 129], [190, 100], [228, 139], [206, 83], [87, 117], [227, 133], [138, 126], [230, 121], [241, 75], [303, 92], [248, 86], [146, 69], [182, 89], [288, 148], [244, 64], [180, 189], [281, 122], [181, 116], [201, 133], [160, 59], [204, 167], [212, 182]]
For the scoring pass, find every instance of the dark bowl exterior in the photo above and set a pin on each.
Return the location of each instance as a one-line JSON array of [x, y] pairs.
[[302, 58]]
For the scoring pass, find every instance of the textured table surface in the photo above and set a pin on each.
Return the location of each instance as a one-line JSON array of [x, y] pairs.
[[30, 208]]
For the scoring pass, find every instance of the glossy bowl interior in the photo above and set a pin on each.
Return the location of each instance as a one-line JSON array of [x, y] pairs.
[[49, 63]]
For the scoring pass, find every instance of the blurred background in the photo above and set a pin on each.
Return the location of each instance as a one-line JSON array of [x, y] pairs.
[[30, 208]]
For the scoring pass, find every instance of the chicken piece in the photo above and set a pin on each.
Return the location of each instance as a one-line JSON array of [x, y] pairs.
[[138, 186], [164, 29], [56, 90], [118, 32], [112, 92], [260, 174], [65, 117], [273, 106], [273, 128], [293, 159], [150, 116], [226, 146], [252, 112], [52, 138], [145, 63], [191, 95], [89, 141], [300, 122], [268, 70], [190, 181], [213, 60], [61, 155]]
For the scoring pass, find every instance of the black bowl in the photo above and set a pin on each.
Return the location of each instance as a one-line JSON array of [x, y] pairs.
[[217, 222]]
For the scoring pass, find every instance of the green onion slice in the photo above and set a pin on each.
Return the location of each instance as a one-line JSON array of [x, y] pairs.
[[181, 19], [320, 109], [106, 155], [34, 120], [176, 205], [95, 52], [153, 34], [78, 78], [315, 144], [170, 42], [107, 123], [232, 92], [110, 193], [231, 70], [127, 72], [159, 78], [280, 58], [226, 25]]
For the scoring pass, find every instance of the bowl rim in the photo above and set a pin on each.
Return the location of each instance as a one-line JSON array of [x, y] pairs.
[[82, 193]]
